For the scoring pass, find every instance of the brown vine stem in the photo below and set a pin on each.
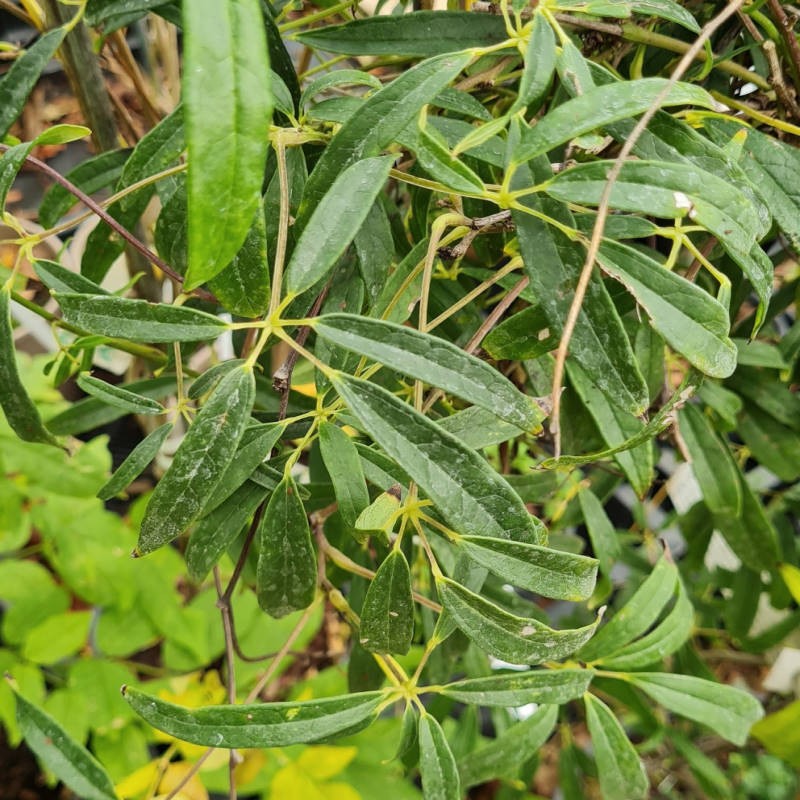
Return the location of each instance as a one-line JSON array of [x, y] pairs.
[[786, 26], [109, 220], [603, 208], [230, 665]]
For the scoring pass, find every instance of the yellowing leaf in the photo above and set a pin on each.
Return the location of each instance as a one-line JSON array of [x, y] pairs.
[[324, 762], [139, 781], [175, 773], [791, 577]]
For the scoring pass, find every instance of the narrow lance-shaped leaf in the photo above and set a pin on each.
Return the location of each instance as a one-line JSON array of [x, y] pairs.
[[604, 540], [436, 159], [136, 461], [216, 531], [517, 640], [255, 447], [20, 79], [638, 614], [670, 634], [261, 724], [433, 360], [690, 320], [440, 780], [59, 279], [344, 466], [728, 711], [540, 66], [138, 320], [421, 33], [548, 572], [228, 106], [379, 121], [556, 686], [20, 411], [621, 772], [387, 616], [503, 756], [67, 759], [666, 189], [116, 396], [712, 463], [287, 566], [335, 221], [243, 287], [468, 493], [200, 461], [600, 106]]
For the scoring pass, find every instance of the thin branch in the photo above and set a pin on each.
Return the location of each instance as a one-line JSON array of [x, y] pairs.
[[108, 219], [230, 663], [777, 80], [603, 209], [786, 26], [282, 377]]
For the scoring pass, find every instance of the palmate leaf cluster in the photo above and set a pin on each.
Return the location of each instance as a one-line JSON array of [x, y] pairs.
[[412, 229]]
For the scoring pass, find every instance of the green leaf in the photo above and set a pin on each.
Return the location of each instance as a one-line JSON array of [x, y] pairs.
[[243, 286], [553, 263], [68, 760], [637, 615], [379, 516], [261, 724], [670, 634], [59, 279], [548, 572], [211, 377], [518, 336], [344, 466], [379, 121], [690, 320], [712, 463], [121, 398], [335, 221], [540, 66], [436, 159], [11, 162], [199, 462], [774, 445], [19, 80], [228, 107], [503, 756], [287, 565], [750, 533], [617, 428], [600, 106], [20, 411], [216, 531], [90, 176], [621, 772], [138, 320], [477, 428], [605, 543], [666, 9], [339, 77], [780, 733], [437, 766], [515, 689], [420, 33], [255, 448], [728, 711], [665, 189], [517, 640], [158, 149], [135, 463], [435, 361], [387, 616], [91, 413], [468, 493], [58, 637]]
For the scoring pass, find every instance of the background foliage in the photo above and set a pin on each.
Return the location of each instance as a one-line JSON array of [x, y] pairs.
[[484, 485]]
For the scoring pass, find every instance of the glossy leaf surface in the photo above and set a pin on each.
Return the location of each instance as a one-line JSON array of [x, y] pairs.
[[387, 616], [520, 688], [440, 780]]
